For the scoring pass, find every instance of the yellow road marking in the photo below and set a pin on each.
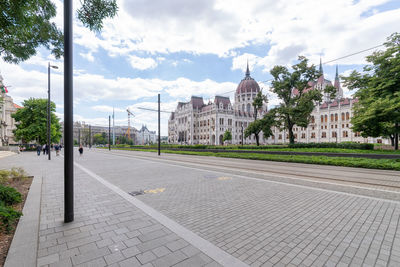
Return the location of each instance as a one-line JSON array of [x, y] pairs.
[[224, 178], [154, 191]]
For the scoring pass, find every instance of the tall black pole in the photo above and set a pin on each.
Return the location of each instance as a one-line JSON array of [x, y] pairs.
[[159, 133], [109, 132], [79, 136], [68, 115], [48, 112], [242, 133], [90, 136]]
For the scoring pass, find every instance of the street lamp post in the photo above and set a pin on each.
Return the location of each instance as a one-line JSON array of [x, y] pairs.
[[48, 108]]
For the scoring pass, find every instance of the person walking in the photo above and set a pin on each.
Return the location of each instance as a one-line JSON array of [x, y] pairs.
[[44, 149], [57, 148], [38, 149], [80, 150]]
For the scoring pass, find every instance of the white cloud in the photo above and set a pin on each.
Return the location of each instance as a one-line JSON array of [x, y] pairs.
[[108, 109], [142, 63], [89, 56]]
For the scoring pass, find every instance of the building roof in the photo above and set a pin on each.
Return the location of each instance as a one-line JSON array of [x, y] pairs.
[[197, 102], [17, 106], [222, 99], [247, 84]]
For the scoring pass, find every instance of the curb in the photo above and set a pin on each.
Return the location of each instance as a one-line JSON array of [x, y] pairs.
[[23, 249]]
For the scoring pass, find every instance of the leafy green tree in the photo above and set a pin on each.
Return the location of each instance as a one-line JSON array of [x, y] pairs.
[[259, 125], [100, 139], [227, 136], [377, 112], [258, 102], [31, 122], [124, 140], [25, 25], [296, 108]]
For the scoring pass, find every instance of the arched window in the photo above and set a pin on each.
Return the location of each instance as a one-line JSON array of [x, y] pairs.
[[336, 116], [326, 118], [322, 118], [243, 108], [312, 119], [347, 116], [248, 107], [332, 117], [342, 116]]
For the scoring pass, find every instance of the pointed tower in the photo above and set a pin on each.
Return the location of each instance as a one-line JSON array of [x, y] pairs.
[[247, 70], [339, 89], [320, 66]]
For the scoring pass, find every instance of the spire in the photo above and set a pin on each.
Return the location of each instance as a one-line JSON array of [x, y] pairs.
[[247, 70], [320, 66], [337, 74]]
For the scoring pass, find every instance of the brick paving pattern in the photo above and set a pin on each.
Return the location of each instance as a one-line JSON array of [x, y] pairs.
[[107, 230]]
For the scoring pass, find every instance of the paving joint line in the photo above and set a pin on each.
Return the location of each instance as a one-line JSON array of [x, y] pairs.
[[277, 182], [205, 246]]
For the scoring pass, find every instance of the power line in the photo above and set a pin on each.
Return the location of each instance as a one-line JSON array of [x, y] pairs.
[[356, 53], [150, 109]]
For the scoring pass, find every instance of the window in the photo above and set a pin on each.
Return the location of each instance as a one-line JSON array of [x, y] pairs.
[[347, 116], [322, 127], [331, 126], [312, 119], [323, 135], [334, 134], [303, 135], [326, 118], [280, 137], [322, 118], [345, 134], [357, 134], [332, 116], [342, 116], [336, 116]]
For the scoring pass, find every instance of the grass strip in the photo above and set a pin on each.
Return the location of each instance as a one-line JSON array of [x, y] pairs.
[[384, 164]]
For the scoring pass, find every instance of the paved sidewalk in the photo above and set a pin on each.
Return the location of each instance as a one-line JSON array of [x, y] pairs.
[[107, 231]]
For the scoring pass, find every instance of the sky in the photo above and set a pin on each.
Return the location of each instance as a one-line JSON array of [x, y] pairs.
[[179, 48]]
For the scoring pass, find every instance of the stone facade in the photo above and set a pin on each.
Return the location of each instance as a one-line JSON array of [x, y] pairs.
[[7, 123], [195, 122], [145, 136]]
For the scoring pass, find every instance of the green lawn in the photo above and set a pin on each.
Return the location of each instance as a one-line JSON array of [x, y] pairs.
[[386, 164]]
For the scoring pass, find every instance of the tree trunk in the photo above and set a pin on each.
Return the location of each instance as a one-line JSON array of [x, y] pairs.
[[391, 140], [291, 135], [396, 136], [257, 139]]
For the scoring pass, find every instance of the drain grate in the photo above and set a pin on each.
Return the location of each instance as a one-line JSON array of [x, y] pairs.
[[136, 193]]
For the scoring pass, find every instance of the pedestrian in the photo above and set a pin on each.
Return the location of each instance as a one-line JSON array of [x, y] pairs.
[[38, 149], [80, 150], [44, 149], [57, 148]]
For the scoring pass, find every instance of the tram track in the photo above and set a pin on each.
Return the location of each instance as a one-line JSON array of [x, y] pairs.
[[391, 183]]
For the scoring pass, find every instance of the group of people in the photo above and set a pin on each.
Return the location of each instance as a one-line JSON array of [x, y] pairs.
[[45, 148]]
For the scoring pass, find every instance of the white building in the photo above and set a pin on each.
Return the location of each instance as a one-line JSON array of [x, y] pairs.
[[7, 123], [146, 137], [195, 122]]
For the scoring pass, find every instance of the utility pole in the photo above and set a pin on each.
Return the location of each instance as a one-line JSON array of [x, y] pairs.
[[68, 115], [48, 112], [113, 132], [90, 136], [109, 132], [242, 132], [79, 136], [159, 134]]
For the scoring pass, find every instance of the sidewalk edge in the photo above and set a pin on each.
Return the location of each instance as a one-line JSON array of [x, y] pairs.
[[23, 249]]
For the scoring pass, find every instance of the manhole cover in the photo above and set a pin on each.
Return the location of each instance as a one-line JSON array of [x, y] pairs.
[[136, 193]]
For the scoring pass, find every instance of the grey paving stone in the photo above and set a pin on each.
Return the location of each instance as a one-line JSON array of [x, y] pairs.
[[170, 259], [131, 262], [146, 257], [48, 259], [114, 257]]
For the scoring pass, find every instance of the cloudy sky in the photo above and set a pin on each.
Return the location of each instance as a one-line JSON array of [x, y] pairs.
[[180, 48]]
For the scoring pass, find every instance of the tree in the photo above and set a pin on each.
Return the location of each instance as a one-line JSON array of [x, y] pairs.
[[259, 125], [31, 122], [124, 140], [100, 139], [227, 136], [25, 25], [377, 112], [258, 103], [297, 100]]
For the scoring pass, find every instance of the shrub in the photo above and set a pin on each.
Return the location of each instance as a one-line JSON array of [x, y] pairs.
[[346, 145], [4, 176], [7, 217], [9, 195]]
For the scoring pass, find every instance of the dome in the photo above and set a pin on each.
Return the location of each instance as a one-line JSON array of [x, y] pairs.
[[248, 84]]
